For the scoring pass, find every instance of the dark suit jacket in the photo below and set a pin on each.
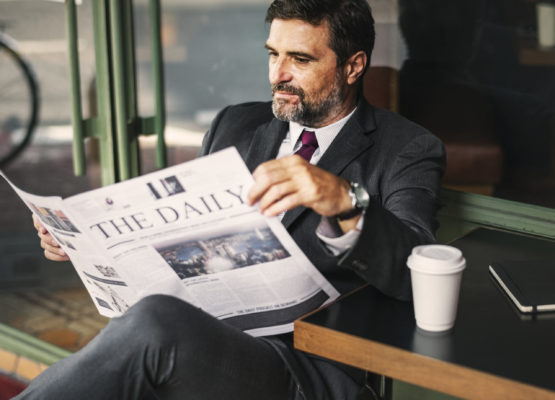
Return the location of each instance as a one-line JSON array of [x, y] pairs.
[[399, 163]]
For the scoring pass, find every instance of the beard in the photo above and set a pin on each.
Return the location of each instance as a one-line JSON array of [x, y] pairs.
[[306, 112]]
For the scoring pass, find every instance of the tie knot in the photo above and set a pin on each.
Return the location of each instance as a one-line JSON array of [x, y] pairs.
[[308, 138], [310, 144]]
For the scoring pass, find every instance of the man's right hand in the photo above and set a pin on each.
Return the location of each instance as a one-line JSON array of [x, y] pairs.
[[52, 249]]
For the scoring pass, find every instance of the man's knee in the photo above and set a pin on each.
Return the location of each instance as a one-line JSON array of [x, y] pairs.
[[160, 319], [156, 307], [150, 321]]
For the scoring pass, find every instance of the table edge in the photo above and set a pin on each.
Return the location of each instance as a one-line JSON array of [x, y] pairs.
[[411, 367]]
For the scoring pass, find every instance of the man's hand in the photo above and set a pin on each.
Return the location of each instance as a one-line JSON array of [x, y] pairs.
[[288, 182], [52, 250]]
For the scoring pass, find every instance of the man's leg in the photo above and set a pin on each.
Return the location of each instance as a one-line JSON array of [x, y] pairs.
[[172, 349]]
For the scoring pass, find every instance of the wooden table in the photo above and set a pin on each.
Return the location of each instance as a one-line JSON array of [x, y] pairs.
[[493, 352]]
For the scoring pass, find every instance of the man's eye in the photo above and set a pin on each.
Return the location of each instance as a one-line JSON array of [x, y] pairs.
[[302, 60]]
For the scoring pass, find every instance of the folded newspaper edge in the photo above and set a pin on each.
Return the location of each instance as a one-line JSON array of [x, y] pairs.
[[186, 231]]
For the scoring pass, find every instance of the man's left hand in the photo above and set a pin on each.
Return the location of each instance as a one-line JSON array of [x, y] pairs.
[[288, 182]]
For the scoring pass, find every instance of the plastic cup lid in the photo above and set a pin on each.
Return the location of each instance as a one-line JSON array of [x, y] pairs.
[[436, 258]]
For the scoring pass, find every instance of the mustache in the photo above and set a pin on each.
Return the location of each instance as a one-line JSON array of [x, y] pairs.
[[284, 87]]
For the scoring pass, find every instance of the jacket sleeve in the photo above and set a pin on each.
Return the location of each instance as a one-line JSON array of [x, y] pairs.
[[400, 217], [208, 139]]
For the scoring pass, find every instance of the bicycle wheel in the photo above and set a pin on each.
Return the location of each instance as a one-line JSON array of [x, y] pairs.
[[19, 101]]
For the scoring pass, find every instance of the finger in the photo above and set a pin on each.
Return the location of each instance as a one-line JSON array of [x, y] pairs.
[[38, 225], [55, 257], [52, 250], [50, 246], [275, 193], [265, 176], [48, 238], [275, 171], [54, 253], [285, 203]]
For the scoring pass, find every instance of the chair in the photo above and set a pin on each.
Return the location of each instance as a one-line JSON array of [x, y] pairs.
[[458, 114]]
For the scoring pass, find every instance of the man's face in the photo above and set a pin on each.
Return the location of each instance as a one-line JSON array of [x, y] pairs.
[[307, 85]]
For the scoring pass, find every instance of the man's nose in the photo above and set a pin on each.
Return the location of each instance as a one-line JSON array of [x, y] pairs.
[[280, 72]]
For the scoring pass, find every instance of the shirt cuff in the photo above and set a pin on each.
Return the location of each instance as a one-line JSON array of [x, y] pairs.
[[334, 239]]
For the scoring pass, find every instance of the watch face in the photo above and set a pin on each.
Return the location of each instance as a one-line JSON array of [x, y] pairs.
[[361, 195], [360, 200]]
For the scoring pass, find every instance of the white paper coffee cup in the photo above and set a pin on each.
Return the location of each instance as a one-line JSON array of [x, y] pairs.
[[436, 272], [546, 24]]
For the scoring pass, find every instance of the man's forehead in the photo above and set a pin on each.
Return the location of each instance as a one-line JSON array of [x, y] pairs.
[[298, 33]]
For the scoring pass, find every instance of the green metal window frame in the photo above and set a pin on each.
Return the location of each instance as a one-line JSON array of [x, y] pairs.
[[117, 125]]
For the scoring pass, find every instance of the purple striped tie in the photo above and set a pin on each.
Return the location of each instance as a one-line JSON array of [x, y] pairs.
[[310, 144]]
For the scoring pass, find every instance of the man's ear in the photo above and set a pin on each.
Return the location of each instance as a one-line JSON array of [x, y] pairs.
[[355, 66]]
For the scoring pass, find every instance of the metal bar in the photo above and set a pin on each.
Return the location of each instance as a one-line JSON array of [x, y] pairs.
[[105, 130], [465, 211], [79, 157], [131, 86], [119, 86], [117, 124], [129, 40], [158, 82], [28, 346], [146, 125], [90, 127]]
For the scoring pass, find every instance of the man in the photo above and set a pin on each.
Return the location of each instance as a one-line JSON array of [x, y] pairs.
[[356, 214]]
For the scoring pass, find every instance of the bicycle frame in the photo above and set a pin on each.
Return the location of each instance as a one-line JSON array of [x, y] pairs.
[[10, 46]]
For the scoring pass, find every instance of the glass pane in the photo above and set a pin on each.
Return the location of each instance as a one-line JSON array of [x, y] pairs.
[[40, 297], [477, 76], [213, 56]]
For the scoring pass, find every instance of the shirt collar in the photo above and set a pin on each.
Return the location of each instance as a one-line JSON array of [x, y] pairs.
[[324, 135]]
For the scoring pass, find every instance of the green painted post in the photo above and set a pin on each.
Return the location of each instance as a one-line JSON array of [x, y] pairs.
[[130, 74], [158, 82], [117, 125], [79, 158], [463, 212], [28, 346], [120, 92], [105, 129]]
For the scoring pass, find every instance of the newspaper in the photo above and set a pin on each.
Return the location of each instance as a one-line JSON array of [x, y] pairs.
[[188, 232]]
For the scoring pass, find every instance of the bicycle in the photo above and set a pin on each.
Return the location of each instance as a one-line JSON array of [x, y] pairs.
[[19, 101]]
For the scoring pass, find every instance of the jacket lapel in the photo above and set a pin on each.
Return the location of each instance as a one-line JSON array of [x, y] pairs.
[[353, 139], [265, 143]]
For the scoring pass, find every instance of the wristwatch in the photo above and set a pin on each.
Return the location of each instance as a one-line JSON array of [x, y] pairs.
[[360, 199]]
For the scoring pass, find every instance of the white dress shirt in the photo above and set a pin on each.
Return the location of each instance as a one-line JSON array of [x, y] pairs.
[[325, 137]]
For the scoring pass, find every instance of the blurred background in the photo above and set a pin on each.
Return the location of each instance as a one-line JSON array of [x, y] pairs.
[[472, 71], [213, 56]]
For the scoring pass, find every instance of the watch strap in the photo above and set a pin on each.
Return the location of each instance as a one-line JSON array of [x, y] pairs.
[[359, 200], [349, 214]]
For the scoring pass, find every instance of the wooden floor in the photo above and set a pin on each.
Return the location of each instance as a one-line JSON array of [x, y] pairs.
[[65, 318]]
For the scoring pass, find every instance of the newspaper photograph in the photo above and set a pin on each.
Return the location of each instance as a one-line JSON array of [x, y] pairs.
[[188, 232]]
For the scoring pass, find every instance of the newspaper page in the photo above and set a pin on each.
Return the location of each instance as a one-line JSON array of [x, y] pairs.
[[188, 232]]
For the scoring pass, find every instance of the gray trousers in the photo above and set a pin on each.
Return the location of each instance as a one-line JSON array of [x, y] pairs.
[[164, 348]]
